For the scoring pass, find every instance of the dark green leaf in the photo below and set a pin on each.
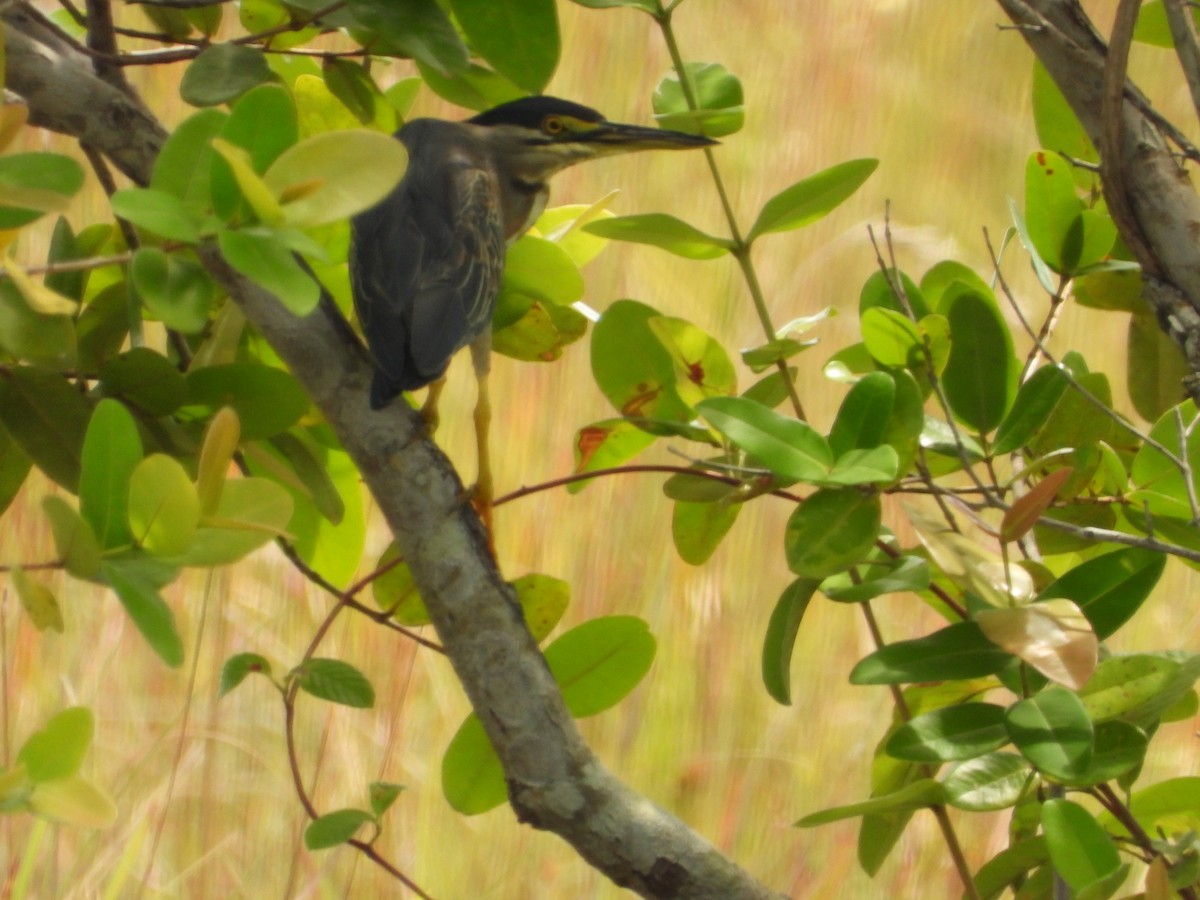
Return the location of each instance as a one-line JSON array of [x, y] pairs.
[[598, 663], [65, 248], [337, 682], [48, 418], [980, 376], [863, 417], [222, 73], [1082, 852], [909, 573], [151, 615], [811, 199], [1110, 588], [1077, 421], [780, 639], [14, 468], [1155, 378], [879, 290], [1052, 730], [647, 6], [474, 87], [334, 828], [415, 28], [267, 400], [661, 230], [111, 451], [32, 336], [183, 167], [956, 732], [992, 781], [918, 795], [717, 94], [1035, 401], [240, 665], [786, 446], [144, 380], [831, 531], [1118, 748], [956, 651], [1009, 867], [518, 38], [262, 258]]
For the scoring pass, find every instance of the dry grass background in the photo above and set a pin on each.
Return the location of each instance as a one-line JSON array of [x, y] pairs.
[[940, 95]]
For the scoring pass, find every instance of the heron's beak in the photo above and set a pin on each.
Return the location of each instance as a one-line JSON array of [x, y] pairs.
[[612, 137]]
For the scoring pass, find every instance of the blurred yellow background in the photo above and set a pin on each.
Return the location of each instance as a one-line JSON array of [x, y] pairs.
[[940, 95]]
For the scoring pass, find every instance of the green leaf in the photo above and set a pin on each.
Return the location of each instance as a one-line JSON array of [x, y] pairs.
[[383, 794], [38, 601], [1052, 209], [36, 337], [48, 419], [1052, 730], [718, 97], [251, 512], [661, 230], [606, 444], [1035, 401], [631, 365], [238, 667], [335, 681], [1156, 382], [981, 374], [1173, 805], [814, 197], [36, 183], [415, 28], [472, 776], [780, 639], [702, 367], [144, 380], [647, 6], [73, 801], [261, 257], [598, 663], [543, 600], [1009, 867], [396, 591], [73, 538], [111, 451], [788, 447], [879, 465], [334, 828], [831, 531], [543, 270], [862, 419], [1058, 128], [918, 795], [183, 168], [1041, 270], [908, 573], [1080, 850], [699, 528], [1110, 588], [956, 651], [892, 338], [880, 291], [519, 38], [351, 82], [157, 212], [222, 72], [57, 749], [956, 732], [146, 608], [474, 87], [164, 508], [309, 462], [1077, 421], [1124, 683], [1118, 748], [989, 782], [266, 400], [333, 175]]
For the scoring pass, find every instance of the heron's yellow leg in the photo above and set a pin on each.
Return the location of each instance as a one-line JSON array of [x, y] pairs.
[[484, 493], [429, 409]]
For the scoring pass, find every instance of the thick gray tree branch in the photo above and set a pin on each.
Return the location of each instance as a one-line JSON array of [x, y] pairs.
[[1148, 192], [555, 782]]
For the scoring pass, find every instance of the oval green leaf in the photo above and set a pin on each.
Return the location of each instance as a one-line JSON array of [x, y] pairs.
[[956, 651], [780, 639], [335, 681], [1052, 730], [661, 230], [788, 447], [831, 531], [811, 199], [597, 663], [952, 733]]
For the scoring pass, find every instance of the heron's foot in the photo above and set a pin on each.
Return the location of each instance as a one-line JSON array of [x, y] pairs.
[[480, 497], [429, 409]]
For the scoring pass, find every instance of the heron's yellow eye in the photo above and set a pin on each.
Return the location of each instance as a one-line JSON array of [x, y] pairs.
[[553, 125]]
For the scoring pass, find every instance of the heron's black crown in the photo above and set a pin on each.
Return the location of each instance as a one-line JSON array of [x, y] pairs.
[[530, 112]]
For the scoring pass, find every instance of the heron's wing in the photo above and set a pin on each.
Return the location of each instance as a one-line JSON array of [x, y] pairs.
[[460, 273], [425, 268]]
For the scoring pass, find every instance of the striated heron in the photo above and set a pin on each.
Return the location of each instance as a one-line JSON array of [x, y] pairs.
[[426, 262]]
